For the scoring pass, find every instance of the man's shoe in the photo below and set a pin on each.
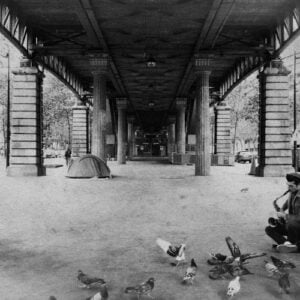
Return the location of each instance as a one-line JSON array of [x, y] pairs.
[[287, 247]]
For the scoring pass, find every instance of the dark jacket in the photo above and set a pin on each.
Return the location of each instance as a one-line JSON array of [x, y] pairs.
[[292, 205]]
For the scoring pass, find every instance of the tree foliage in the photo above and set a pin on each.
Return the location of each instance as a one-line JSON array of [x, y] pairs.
[[244, 102], [57, 106]]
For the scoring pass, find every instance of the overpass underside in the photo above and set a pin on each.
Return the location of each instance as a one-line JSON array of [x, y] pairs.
[[151, 71]]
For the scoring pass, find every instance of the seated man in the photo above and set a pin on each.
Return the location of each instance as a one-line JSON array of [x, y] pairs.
[[286, 232]]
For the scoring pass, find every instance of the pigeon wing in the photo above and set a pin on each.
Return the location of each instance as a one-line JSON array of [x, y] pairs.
[[233, 247]]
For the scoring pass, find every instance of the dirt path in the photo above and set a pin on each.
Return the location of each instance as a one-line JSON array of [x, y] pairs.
[[52, 226]]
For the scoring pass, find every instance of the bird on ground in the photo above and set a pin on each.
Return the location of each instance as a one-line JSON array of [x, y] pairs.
[[144, 288], [282, 264], [220, 270], [218, 258], [173, 251], [234, 286], [237, 254], [271, 268], [101, 295], [244, 190], [87, 281], [190, 273], [284, 283], [52, 298]]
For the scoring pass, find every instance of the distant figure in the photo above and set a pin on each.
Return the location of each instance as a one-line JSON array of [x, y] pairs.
[[68, 156]]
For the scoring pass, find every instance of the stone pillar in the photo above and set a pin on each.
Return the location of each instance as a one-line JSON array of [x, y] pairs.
[[26, 122], [180, 122], [223, 140], [121, 150], [100, 67], [131, 137], [203, 157], [275, 154], [80, 130], [171, 135]]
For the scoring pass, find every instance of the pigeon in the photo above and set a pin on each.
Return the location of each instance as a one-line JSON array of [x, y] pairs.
[[284, 283], [244, 190], [88, 281], [271, 268], [173, 251], [190, 273], [101, 295], [234, 286], [282, 264], [144, 288], [52, 298], [218, 271], [237, 254], [218, 258]]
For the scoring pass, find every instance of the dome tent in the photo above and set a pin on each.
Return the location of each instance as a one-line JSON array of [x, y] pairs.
[[88, 166]]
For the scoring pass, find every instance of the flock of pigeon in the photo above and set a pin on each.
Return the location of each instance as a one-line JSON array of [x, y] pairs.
[[233, 265]]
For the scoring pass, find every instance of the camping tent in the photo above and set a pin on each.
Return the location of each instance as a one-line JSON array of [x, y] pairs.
[[88, 166]]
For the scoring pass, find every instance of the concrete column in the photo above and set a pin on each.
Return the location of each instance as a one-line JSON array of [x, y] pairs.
[[180, 122], [121, 150], [26, 122], [130, 135], [223, 140], [171, 135], [100, 68], [80, 130], [203, 157], [275, 154]]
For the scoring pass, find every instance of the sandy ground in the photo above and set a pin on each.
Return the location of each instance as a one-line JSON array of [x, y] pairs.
[[52, 226]]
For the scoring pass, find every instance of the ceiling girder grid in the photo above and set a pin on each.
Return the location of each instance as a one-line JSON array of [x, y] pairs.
[[279, 39], [19, 34]]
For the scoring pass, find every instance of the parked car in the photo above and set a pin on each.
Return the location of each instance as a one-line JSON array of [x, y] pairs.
[[50, 153], [244, 156]]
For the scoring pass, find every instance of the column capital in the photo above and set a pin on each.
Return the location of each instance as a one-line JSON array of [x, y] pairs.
[[99, 63], [276, 67], [121, 103], [130, 119], [202, 64], [171, 119], [181, 102]]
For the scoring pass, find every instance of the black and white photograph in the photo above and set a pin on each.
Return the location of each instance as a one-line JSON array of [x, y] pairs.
[[150, 149]]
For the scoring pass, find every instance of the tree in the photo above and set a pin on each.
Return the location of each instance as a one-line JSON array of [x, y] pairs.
[[244, 102], [57, 105]]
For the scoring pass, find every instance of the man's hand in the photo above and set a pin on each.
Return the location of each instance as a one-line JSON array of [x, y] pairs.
[[281, 214]]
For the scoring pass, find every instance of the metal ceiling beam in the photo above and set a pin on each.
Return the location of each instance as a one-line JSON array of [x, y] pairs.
[[90, 24], [17, 32], [284, 33], [214, 23]]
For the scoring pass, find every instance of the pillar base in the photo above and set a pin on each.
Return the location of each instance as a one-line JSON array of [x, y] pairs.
[[25, 170], [274, 171]]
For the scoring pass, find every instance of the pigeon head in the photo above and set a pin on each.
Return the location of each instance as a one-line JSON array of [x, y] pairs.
[[151, 281]]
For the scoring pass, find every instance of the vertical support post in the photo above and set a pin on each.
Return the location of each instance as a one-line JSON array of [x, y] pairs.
[[180, 120], [100, 67], [275, 155], [131, 138], [223, 146], [80, 130], [171, 136], [203, 157], [26, 122], [121, 150]]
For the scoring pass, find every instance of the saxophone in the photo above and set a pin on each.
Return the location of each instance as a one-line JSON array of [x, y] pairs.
[[272, 221]]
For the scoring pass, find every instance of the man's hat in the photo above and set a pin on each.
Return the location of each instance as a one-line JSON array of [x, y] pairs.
[[295, 177]]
